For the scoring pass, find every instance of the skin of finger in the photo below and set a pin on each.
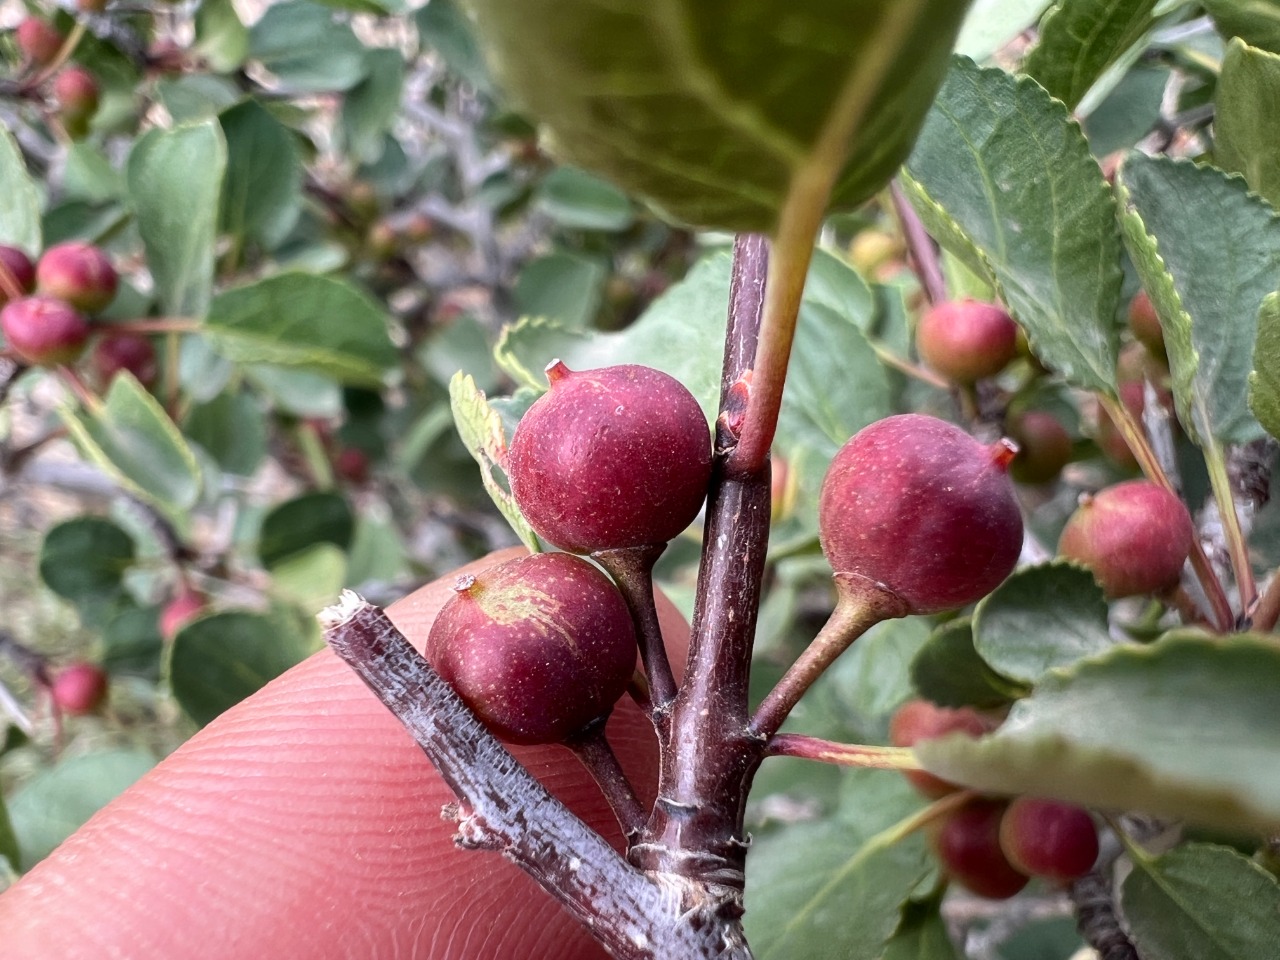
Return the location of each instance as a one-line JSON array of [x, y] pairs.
[[306, 823]]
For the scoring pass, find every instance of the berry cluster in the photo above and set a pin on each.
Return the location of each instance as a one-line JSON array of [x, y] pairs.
[[994, 846], [74, 90], [46, 310]]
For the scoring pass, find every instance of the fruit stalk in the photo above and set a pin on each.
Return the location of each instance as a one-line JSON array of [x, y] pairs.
[[842, 754], [503, 808], [924, 255], [592, 749], [632, 570]]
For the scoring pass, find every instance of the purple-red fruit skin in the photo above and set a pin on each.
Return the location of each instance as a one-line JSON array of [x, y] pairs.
[[1134, 537], [967, 340], [78, 273], [79, 688], [1044, 447], [43, 330], [968, 845], [1145, 324], [537, 647], [611, 458], [918, 720], [180, 611], [39, 40], [1046, 838], [918, 506], [125, 351], [20, 269]]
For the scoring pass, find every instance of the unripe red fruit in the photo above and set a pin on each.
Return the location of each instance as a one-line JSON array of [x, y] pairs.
[[352, 465], [39, 40], [965, 340], [538, 647], [1044, 446], [20, 269], [124, 351], [1145, 324], [43, 330], [610, 458], [1045, 838], [968, 845], [79, 688], [76, 92], [918, 720], [1134, 537], [921, 508], [180, 611], [78, 273]]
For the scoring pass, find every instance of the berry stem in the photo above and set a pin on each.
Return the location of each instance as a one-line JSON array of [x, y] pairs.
[[503, 808], [9, 285], [592, 749], [64, 53], [920, 246], [632, 569], [842, 754], [1237, 543], [891, 359], [1221, 615], [860, 605], [1267, 611]]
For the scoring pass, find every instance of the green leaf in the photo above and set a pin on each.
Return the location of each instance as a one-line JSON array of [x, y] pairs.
[[833, 890], [370, 107], [174, 178], [131, 642], [922, 936], [1246, 122], [579, 201], [297, 392], [1185, 727], [1128, 112], [1004, 180], [990, 24], [262, 193], [1042, 617], [1257, 22], [219, 660], [8, 839], [302, 44], [948, 671], [132, 438], [221, 38], [1208, 252], [84, 560], [89, 176], [1202, 902], [196, 96], [310, 579], [56, 802], [1080, 39], [1264, 380], [713, 109], [443, 26], [561, 287], [301, 320], [377, 550], [480, 428], [19, 199], [302, 522], [230, 428]]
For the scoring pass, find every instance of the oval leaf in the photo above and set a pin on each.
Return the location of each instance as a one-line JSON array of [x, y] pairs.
[[1042, 617], [1080, 39], [302, 523], [712, 109], [302, 320], [303, 44], [262, 195], [1202, 902], [84, 560], [1246, 123], [19, 200], [1264, 381], [1208, 252], [1185, 727], [1004, 179], [948, 671], [174, 179]]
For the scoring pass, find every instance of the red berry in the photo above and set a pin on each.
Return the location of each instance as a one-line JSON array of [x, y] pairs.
[[1134, 537], [1108, 436], [918, 720], [968, 845], [43, 330], [918, 506], [124, 351], [76, 93], [1145, 324], [1045, 838], [966, 341], [537, 647], [39, 40], [78, 273], [180, 611], [20, 270], [610, 458], [352, 465], [1044, 446], [80, 688]]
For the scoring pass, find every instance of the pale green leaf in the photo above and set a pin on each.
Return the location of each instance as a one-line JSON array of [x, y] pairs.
[[1264, 380], [262, 193], [1246, 123], [1079, 39], [221, 38], [1257, 22], [370, 107], [304, 45], [1208, 252], [19, 199], [579, 201], [174, 179], [990, 24], [1184, 727], [711, 107], [444, 27], [1004, 179]]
